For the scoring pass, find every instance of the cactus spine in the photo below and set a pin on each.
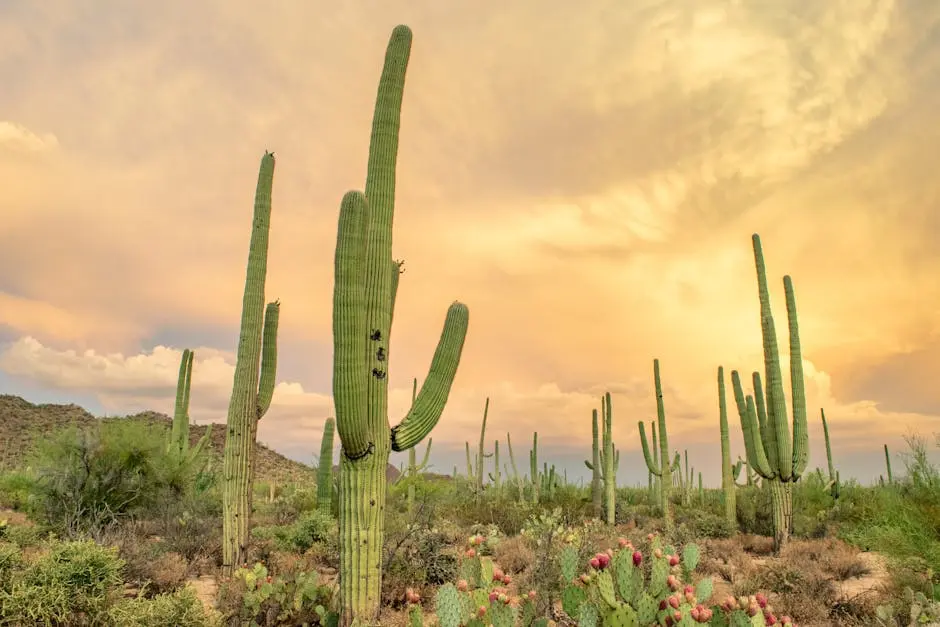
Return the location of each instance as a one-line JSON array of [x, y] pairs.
[[253, 386], [325, 467], [365, 286], [179, 432], [770, 450], [833, 484], [664, 470], [727, 477]]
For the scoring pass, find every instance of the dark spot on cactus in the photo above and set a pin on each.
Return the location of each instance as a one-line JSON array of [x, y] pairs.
[[376, 335], [401, 266], [378, 374], [380, 354], [372, 502], [353, 458]]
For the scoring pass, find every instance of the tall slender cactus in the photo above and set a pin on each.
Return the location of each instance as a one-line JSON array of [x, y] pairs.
[[728, 488], [534, 467], [253, 386], [595, 467], [888, 464], [178, 442], [365, 287], [771, 452], [609, 461], [325, 467], [665, 468], [515, 469], [833, 484]]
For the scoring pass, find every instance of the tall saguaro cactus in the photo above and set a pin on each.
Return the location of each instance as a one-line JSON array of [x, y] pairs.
[[595, 467], [727, 473], [365, 285], [609, 461], [664, 469], [325, 467], [179, 432], [253, 387], [834, 484], [771, 452]]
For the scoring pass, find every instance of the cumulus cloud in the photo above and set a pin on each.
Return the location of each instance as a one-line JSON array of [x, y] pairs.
[[562, 417], [15, 137]]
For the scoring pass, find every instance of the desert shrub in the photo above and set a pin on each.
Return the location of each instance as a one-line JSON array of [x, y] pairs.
[[87, 480], [311, 527], [23, 536], [416, 556], [514, 554], [180, 608], [15, 489], [71, 584], [255, 597], [697, 524], [10, 560]]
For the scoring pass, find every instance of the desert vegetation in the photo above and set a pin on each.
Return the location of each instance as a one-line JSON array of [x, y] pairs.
[[136, 521]]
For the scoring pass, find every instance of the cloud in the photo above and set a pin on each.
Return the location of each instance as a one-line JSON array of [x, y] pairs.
[[562, 417], [585, 178]]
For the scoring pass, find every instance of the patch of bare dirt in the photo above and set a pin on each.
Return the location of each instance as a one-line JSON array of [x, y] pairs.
[[206, 588]]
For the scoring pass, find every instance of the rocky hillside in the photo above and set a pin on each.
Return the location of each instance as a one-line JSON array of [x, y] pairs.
[[21, 422]]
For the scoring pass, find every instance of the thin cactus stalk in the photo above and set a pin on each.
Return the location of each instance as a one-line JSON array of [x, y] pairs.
[[728, 489], [414, 468], [325, 467], [888, 465], [515, 469], [664, 470], [534, 467], [365, 287], [179, 432], [656, 479], [701, 490], [609, 462], [595, 467], [496, 477], [771, 452], [833, 483], [253, 386], [687, 483], [481, 454]]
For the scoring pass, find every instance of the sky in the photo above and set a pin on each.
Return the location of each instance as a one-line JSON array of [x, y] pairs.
[[585, 177]]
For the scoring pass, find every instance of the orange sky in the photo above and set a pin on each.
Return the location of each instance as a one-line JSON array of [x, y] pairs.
[[586, 178]]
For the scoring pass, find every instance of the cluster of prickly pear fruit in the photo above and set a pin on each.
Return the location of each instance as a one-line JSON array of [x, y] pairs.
[[750, 611], [627, 587], [481, 596]]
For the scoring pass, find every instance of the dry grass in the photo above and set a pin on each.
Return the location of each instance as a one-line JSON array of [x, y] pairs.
[[514, 555]]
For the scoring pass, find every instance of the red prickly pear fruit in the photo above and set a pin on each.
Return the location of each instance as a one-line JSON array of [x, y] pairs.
[[268, 579], [770, 619], [674, 602], [595, 563], [786, 620], [650, 536], [497, 574], [493, 596], [532, 595], [507, 579], [622, 543], [694, 613], [672, 582], [673, 560], [637, 558], [677, 615], [688, 589], [669, 621], [462, 585], [481, 611], [479, 540], [752, 610], [471, 553], [604, 559], [662, 604], [658, 553], [761, 599]]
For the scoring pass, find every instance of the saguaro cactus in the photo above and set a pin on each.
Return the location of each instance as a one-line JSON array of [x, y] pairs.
[[727, 475], [665, 467], [770, 450], [325, 467], [365, 285], [833, 483], [515, 469], [253, 387], [609, 461], [534, 467], [888, 465], [179, 432], [595, 467]]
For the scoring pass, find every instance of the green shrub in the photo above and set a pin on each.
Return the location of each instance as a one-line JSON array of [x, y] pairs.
[[15, 489], [180, 609], [312, 527], [71, 584]]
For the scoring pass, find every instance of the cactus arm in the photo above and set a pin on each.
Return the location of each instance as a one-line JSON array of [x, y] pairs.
[[470, 473], [589, 465], [268, 358], [729, 472], [753, 445], [179, 432], [202, 443], [825, 424], [428, 407], [480, 454], [427, 456], [765, 433], [350, 333], [666, 479], [888, 465], [325, 467], [650, 464], [797, 386], [776, 402]]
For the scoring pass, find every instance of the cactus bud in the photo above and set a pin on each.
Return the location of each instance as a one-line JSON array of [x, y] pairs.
[[471, 553], [786, 620], [481, 611], [462, 585], [494, 595], [502, 598], [585, 578], [672, 582], [658, 553], [752, 610], [674, 602], [497, 574], [637, 558], [649, 537], [622, 543], [532, 595], [507, 579], [761, 599], [662, 605], [673, 560], [770, 619]]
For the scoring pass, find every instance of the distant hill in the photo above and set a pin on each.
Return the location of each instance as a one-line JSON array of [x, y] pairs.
[[21, 422]]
